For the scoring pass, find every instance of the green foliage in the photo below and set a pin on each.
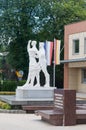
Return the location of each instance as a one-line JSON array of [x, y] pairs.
[[4, 105], [35, 19], [10, 85], [16, 57]]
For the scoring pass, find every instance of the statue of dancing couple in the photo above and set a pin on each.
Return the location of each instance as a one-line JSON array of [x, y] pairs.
[[36, 66]]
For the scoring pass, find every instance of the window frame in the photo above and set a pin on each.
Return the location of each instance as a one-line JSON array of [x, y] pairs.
[[84, 75], [85, 45], [75, 45]]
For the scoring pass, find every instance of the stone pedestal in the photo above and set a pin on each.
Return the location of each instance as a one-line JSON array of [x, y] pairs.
[[35, 93]]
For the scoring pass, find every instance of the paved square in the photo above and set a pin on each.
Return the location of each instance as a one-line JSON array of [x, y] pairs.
[[30, 122]]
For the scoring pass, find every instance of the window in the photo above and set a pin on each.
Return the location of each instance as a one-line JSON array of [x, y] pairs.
[[85, 45], [84, 75], [76, 46]]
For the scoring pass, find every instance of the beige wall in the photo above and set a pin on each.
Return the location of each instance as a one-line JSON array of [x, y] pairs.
[[70, 31], [77, 64], [75, 80], [81, 37]]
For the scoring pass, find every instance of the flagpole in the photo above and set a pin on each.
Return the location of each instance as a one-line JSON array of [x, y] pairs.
[[53, 74], [54, 66]]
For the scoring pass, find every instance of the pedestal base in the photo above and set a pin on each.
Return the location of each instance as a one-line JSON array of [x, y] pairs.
[[38, 93]]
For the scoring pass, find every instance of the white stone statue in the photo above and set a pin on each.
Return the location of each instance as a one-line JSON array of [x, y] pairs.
[[34, 67], [43, 64]]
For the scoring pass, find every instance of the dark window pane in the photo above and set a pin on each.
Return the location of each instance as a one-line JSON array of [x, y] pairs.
[[76, 46]]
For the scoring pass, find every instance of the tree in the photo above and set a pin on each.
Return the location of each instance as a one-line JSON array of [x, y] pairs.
[[21, 20], [17, 23], [61, 13]]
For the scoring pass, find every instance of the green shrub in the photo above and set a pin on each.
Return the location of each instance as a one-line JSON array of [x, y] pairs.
[[11, 85], [4, 105]]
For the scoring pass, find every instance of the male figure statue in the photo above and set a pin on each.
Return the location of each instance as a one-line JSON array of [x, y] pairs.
[[43, 64]]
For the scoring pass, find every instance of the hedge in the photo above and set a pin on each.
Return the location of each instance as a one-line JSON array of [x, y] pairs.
[[11, 85], [7, 93]]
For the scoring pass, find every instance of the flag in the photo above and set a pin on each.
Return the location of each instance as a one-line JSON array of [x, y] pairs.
[[48, 51], [57, 51]]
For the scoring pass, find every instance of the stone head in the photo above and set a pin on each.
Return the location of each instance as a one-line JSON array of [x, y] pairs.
[[33, 43], [41, 44]]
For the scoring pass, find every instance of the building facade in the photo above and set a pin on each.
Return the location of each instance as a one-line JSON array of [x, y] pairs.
[[75, 56]]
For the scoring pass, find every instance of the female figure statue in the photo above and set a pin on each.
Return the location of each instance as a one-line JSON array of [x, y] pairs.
[[33, 65]]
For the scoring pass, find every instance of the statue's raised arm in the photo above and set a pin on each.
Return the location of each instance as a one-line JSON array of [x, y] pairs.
[[28, 45]]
